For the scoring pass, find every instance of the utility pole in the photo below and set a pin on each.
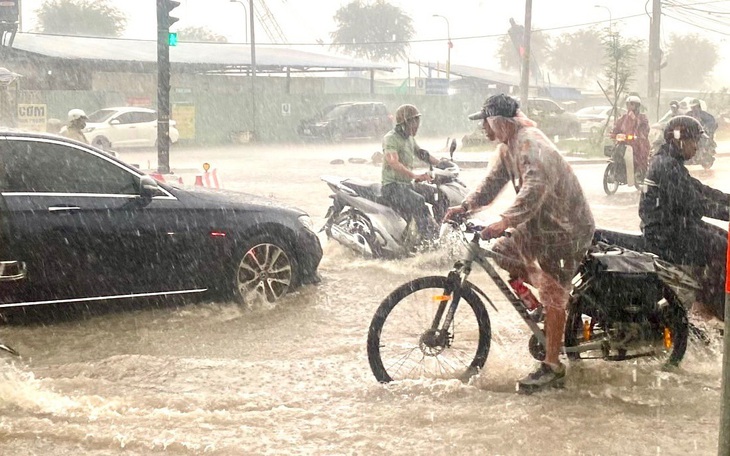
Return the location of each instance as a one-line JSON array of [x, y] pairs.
[[654, 66], [253, 74], [164, 21], [525, 80]]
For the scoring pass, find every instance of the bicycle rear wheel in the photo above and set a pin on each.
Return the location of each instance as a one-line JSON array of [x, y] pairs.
[[402, 344]]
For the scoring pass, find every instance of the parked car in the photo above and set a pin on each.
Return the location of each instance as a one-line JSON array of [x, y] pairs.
[[552, 119], [348, 121], [127, 127], [594, 118], [79, 225]]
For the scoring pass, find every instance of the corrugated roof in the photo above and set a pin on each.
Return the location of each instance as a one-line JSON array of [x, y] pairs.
[[213, 54]]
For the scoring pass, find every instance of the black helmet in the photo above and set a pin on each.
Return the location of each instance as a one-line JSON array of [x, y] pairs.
[[497, 105], [683, 127]]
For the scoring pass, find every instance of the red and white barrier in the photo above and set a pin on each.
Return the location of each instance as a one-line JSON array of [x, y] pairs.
[[208, 179]]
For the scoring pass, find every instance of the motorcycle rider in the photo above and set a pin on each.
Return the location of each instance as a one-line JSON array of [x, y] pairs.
[[550, 220], [636, 124], [707, 120], [671, 210], [673, 111], [400, 188], [76, 124]]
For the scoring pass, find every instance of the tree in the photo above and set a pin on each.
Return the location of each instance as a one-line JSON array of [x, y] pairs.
[[573, 56], [690, 59], [199, 34], [619, 67], [80, 17], [375, 31]]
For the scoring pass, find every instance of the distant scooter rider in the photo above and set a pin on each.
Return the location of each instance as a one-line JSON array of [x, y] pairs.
[[76, 124], [707, 120], [636, 124], [673, 112], [672, 207], [399, 192]]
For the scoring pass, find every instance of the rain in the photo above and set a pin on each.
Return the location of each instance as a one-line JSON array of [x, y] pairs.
[[216, 290]]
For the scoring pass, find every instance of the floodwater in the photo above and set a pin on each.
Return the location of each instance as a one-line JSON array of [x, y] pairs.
[[293, 378]]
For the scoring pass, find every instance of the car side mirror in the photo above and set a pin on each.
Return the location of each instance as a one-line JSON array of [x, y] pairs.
[[114, 122], [148, 187]]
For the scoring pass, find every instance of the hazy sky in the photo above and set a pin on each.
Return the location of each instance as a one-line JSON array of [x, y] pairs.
[[473, 23]]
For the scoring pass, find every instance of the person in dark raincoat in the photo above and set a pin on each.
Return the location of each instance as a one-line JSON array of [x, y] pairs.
[[550, 221], [671, 210]]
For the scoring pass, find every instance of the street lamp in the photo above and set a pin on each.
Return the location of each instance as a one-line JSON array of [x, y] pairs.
[[245, 23], [450, 45], [610, 18], [250, 14]]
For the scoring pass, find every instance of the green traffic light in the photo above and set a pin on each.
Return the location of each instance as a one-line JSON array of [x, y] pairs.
[[172, 38]]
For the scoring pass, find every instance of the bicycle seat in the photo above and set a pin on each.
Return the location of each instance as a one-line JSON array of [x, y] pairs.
[[632, 240], [367, 190]]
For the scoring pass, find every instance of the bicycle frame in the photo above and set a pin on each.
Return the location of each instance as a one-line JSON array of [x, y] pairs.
[[457, 278]]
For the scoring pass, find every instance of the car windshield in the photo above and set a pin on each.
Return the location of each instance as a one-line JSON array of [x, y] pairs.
[[336, 112], [101, 115]]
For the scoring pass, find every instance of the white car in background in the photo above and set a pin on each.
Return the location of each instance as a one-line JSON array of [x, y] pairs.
[[126, 127], [593, 118]]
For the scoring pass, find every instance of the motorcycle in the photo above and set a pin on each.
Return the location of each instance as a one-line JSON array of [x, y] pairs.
[[620, 169], [360, 220], [706, 149], [623, 304]]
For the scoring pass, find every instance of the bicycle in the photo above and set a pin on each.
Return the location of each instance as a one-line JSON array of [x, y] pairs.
[[451, 340]]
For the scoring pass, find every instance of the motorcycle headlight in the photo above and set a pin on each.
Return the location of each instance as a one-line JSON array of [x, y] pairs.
[[306, 221]]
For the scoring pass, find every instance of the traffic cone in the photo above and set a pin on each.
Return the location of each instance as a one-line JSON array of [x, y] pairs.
[[198, 180]]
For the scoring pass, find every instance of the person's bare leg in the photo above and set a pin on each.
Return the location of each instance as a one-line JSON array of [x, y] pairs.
[[554, 298]]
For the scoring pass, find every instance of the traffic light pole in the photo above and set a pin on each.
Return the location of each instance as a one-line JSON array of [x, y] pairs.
[[163, 101], [164, 21]]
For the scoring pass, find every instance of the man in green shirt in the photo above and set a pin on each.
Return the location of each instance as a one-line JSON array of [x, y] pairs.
[[400, 189]]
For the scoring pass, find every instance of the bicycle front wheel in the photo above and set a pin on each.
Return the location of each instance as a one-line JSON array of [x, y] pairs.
[[404, 342]]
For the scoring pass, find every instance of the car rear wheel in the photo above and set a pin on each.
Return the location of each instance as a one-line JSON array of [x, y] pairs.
[[265, 272]]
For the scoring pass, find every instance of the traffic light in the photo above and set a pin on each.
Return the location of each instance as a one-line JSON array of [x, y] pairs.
[[172, 38], [164, 7]]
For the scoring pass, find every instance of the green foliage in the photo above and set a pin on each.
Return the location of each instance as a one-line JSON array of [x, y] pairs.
[[80, 17], [198, 34], [509, 58], [573, 56], [375, 31], [619, 65], [690, 59]]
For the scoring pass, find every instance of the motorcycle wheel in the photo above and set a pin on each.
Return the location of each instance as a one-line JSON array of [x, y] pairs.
[[355, 223], [402, 344], [610, 182], [672, 316]]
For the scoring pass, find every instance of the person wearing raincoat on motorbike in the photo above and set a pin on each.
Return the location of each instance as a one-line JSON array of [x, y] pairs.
[[636, 124], [550, 222], [671, 210]]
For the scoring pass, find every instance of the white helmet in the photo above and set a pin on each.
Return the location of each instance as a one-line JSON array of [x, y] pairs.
[[633, 99], [75, 114]]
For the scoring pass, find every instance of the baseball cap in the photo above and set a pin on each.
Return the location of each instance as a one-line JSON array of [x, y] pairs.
[[497, 105]]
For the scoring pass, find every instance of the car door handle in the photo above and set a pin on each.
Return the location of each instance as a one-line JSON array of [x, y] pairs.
[[63, 209], [12, 271]]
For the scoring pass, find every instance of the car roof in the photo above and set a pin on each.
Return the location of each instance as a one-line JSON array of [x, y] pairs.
[[127, 109]]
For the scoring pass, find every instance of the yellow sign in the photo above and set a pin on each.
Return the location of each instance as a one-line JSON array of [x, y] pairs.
[[184, 116], [32, 117], [206, 167]]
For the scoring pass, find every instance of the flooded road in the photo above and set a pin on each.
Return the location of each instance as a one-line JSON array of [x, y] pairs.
[[218, 378]]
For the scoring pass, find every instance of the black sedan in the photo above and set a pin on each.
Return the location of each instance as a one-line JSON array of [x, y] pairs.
[[78, 225]]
